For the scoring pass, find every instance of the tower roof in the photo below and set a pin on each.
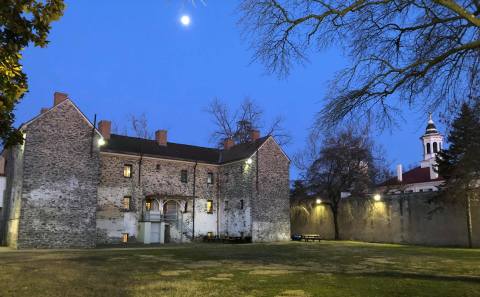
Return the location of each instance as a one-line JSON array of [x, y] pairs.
[[431, 129]]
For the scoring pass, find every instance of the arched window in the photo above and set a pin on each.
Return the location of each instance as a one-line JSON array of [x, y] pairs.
[[435, 148], [428, 149]]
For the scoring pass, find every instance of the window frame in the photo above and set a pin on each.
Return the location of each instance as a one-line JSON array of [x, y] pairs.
[[130, 171], [210, 178], [129, 203], [184, 176], [209, 206]]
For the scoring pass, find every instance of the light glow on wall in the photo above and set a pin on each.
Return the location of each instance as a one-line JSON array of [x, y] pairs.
[[101, 141]]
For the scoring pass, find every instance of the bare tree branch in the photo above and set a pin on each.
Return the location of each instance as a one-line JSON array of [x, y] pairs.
[[423, 54]]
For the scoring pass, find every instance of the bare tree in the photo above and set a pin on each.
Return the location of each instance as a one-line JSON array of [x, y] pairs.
[[238, 124], [341, 162], [424, 54], [139, 126]]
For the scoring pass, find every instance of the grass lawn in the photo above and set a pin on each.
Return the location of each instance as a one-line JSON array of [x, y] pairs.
[[287, 269]]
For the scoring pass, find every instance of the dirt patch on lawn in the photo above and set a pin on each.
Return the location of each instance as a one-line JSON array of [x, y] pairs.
[[293, 293], [173, 272]]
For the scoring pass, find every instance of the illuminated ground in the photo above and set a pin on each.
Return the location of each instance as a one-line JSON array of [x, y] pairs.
[[289, 269]]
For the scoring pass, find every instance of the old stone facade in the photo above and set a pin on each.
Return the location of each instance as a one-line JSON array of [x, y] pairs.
[[71, 185]]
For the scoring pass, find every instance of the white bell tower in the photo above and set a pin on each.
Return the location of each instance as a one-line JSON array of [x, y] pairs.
[[432, 142]]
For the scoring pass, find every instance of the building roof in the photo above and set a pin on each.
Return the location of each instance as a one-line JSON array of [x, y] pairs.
[[415, 176], [139, 146]]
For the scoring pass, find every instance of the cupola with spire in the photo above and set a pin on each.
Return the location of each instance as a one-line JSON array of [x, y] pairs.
[[432, 143]]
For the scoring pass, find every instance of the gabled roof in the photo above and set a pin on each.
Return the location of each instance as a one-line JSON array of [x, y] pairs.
[[139, 146], [415, 176], [24, 125]]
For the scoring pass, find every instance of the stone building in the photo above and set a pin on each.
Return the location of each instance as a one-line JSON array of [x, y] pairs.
[[73, 185], [423, 178]]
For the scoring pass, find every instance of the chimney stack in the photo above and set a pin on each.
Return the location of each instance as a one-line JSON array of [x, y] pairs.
[[254, 135], [59, 97], [228, 143], [105, 128], [161, 137], [44, 110], [399, 173]]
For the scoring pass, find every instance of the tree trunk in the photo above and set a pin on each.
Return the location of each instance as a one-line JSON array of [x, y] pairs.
[[469, 221], [335, 223]]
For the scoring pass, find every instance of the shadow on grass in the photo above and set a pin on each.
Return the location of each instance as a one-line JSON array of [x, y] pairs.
[[420, 276]]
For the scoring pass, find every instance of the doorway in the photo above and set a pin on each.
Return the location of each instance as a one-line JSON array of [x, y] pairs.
[[167, 233]]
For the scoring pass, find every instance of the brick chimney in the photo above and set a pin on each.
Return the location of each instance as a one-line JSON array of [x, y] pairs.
[[161, 137], [254, 135], [44, 110], [105, 127], [59, 97], [399, 173], [228, 143]]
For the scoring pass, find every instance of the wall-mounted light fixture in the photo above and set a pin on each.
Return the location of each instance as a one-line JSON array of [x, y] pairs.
[[318, 201], [377, 197], [249, 161], [101, 141]]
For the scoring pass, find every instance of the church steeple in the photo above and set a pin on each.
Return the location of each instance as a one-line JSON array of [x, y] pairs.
[[432, 143]]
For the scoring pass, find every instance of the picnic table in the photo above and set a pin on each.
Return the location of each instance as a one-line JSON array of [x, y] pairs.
[[310, 237]]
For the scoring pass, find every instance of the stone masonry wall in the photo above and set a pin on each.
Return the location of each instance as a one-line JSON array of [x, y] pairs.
[[270, 207], [237, 184], [412, 219], [60, 180], [163, 181]]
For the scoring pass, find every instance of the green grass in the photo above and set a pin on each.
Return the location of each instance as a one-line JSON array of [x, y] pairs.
[[287, 269]]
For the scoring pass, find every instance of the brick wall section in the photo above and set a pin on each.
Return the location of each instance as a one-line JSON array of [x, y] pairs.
[[271, 206], [60, 178]]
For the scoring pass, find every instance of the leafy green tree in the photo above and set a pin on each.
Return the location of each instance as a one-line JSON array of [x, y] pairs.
[[22, 22], [460, 163]]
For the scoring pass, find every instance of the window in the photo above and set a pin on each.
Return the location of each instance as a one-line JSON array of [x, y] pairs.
[[226, 204], [158, 167], [209, 206], [241, 204], [126, 202], [428, 148], [124, 237], [183, 176], [435, 148], [210, 178], [127, 170], [148, 204]]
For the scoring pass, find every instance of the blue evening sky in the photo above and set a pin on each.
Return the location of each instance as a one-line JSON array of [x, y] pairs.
[[115, 58]]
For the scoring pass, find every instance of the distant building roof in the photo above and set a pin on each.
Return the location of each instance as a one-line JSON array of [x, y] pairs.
[[415, 176], [147, 147]]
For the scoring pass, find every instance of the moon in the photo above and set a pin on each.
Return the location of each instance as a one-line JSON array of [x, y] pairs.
[[185, 20]]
